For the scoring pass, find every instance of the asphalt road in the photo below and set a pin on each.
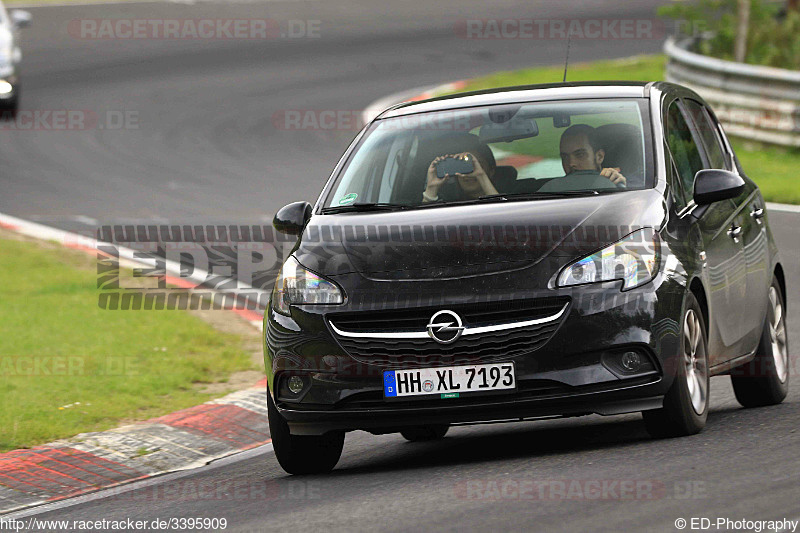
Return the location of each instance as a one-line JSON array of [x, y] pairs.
[[205, 149]]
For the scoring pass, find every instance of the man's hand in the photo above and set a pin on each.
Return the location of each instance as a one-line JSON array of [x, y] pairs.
[[615, 176]]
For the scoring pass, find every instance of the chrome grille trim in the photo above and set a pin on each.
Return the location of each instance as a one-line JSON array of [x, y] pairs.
[[467, 331]]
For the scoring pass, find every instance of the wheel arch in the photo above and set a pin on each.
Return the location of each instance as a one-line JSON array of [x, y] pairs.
[[782, 281], [698, 290]]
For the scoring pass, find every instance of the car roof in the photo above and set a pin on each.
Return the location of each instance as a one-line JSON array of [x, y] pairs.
[[524, 93]]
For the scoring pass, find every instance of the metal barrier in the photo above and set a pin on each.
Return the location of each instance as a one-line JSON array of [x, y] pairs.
[[752, 102]]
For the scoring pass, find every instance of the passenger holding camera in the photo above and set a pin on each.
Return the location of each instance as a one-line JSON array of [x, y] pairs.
[[474, 184]]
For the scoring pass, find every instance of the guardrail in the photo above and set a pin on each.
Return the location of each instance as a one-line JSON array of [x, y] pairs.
[[753, 102]]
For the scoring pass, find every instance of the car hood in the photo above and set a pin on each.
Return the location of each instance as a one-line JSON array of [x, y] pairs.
[[472, 240]]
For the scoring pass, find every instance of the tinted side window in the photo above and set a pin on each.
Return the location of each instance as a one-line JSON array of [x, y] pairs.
[[709, 133], [674, 181], [684, 150]]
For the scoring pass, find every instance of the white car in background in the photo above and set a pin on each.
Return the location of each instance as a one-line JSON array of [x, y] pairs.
[[10, 56]]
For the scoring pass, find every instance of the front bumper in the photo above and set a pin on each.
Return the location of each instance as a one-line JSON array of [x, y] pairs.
[[566, 376], [392, 417]]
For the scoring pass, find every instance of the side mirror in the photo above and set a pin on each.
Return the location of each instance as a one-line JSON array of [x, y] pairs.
[[714, 185], [291, 219], [20, 18]]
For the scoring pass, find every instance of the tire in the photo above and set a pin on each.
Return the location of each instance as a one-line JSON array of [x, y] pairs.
[[425, 433], [765, 379], [9, 110], [301, 454], [685, 408]]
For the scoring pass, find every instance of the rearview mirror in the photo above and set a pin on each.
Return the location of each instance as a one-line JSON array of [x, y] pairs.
[[516, 128], [291, 219], [714, 185], [20, 18]]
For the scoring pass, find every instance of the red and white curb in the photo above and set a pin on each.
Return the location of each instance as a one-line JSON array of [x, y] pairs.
[[412, 95], [185, 439], [92, 461]]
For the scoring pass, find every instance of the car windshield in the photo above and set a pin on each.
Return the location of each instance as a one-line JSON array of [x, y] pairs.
[[535, 150]]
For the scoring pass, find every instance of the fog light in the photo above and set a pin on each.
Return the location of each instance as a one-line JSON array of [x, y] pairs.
[[631, 361], [5, 87], [628, 363], [296, 384]]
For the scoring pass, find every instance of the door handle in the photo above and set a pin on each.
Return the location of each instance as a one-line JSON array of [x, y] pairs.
[[757, 213], [735, 231]]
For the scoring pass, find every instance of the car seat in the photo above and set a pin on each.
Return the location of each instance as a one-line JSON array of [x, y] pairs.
[[623, 147]]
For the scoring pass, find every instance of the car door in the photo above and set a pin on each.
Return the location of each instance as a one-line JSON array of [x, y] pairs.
[[750, 212], [750, 205], [723, 253]]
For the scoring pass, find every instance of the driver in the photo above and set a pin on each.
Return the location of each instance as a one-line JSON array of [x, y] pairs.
[[580, 150]]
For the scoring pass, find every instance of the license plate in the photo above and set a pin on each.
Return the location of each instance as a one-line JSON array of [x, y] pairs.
[[449, 382]]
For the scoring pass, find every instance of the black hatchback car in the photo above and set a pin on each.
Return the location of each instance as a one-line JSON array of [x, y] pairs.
[[523, 253]]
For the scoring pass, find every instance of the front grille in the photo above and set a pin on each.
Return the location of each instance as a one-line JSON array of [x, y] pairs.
[[483, 347]]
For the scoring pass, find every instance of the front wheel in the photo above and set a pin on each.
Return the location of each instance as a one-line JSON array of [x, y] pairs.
[[765, 379], [686, 403], [302, 454]]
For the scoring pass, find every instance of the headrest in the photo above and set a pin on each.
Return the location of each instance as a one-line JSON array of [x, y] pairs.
[[623, 146]]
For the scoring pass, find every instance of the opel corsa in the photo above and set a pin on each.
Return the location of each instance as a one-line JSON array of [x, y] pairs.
[[524, 253]]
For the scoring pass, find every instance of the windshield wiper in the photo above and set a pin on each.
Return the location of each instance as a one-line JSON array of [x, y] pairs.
[[526, 195], [363, 207]]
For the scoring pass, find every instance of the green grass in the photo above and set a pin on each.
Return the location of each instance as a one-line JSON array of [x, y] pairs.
[[774, 169], [95, 367]]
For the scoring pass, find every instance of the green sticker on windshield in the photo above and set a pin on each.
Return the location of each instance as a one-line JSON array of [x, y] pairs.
[[349, 199]]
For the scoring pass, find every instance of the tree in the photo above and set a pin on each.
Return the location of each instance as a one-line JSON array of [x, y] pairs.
[[740, 46]]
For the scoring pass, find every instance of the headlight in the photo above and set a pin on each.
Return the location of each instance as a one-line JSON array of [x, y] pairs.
[[296, 285], [634, 260]]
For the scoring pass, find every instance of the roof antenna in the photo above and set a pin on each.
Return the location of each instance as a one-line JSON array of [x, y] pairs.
[[566, 63]]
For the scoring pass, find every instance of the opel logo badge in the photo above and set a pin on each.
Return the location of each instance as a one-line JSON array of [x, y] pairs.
[[445, 327]]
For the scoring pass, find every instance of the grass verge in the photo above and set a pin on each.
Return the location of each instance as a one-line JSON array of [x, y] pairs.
[[67, 366], [773, 168]]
